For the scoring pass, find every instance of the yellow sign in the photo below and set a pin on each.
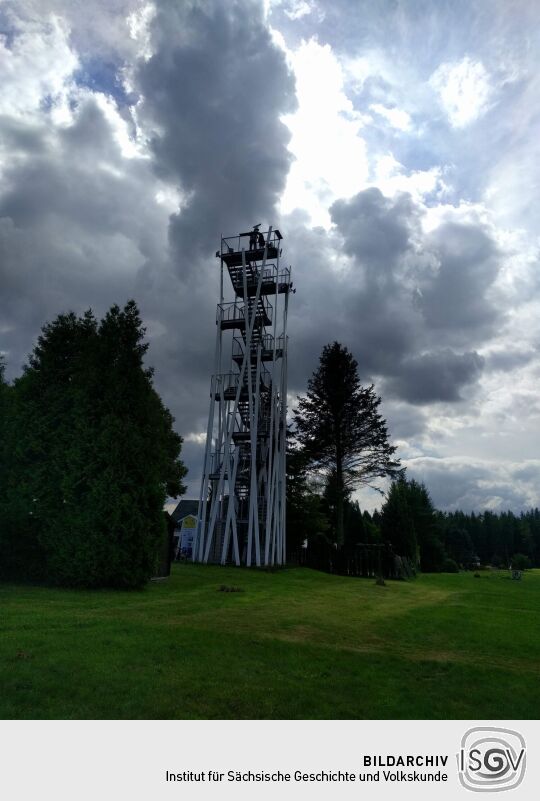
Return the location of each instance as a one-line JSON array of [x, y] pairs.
[[189, 522]]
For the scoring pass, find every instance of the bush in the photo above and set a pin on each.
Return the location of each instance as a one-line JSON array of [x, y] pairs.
[[520, 561], [449, 566]]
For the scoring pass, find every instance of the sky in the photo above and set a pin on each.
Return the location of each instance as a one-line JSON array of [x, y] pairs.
[[395, 144]]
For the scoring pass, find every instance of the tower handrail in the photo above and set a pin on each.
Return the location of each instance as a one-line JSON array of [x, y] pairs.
[[235, 310], [234, 244]]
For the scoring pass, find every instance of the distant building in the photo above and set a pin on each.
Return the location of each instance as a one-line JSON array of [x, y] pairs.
[[185, 528]]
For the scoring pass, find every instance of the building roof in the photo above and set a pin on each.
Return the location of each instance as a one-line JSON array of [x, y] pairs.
[[185, 507]]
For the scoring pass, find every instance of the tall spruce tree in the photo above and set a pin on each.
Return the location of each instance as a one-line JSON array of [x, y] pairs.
[[340, 429], [96, 453]]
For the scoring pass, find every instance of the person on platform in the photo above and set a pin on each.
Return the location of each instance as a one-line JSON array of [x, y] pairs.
[[253, 236]]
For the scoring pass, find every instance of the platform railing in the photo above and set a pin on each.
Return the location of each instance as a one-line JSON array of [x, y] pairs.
[[235, 244], [235, 311], [266, 341], [225, 382]]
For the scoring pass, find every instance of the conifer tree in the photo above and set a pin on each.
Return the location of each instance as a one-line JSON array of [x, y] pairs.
[[6, 454], [96, 452], [340, 429], [426, 525], [397, 526], [305, 514]]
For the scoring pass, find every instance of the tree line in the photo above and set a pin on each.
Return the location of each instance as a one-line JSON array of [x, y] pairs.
[[339, 442], [88, 456]]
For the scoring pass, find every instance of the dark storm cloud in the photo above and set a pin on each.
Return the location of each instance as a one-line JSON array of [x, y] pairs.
[[408, 305], [79, 228], [17, 137], [508, 359], [357, 300], [376, 229], [70, 183], [437, 376], [456, 299], [215, 88], [404, 420]]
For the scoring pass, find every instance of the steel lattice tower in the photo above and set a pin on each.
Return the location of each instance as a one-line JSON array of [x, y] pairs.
[[242, 499]]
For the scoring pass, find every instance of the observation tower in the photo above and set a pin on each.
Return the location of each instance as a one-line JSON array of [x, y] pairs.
[[241, 516]]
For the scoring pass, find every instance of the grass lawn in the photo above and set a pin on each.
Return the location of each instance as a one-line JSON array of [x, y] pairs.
[[293, 644]]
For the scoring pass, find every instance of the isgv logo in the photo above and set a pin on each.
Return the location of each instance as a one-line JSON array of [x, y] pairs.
[[491, 759]]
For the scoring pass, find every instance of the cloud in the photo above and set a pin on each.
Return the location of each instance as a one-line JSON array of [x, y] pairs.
[[431, 289], [456, 298], [475, 485], [299, 8], [213, 92], [506, 360], [319, 175], [408, 303], [464, 90], [96, 29], [37, 63], [436, 376], [377, 230], [398, 118]]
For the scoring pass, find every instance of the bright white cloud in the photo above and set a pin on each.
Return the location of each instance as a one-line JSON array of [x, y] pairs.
[[299, 9], [138, 23], [464, 90], [392, 177], [330, 155], [38, 68], [398, 118]]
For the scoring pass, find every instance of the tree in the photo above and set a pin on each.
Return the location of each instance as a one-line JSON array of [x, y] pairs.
[[459, 545], [4, 424], [96, 453], [340, 430], [354, 528], [305, 514], [426, 526], [397, 526], [372, 530], [520, 561], [8, 548]]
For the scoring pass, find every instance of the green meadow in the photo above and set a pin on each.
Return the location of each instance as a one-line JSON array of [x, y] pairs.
[[292, 644]]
